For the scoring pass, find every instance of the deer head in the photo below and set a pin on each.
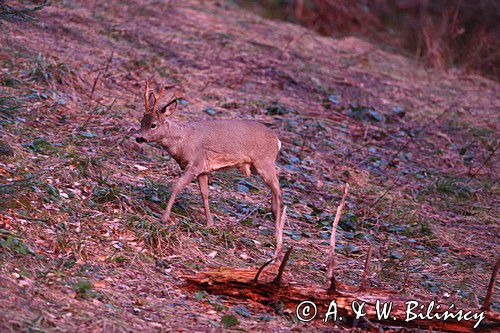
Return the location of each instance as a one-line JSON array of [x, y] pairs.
[[155, 123]]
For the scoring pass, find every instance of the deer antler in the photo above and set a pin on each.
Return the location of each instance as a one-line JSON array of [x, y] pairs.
[[158, 97], [146, 97]]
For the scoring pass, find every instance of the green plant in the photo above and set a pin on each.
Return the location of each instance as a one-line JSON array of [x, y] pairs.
[[229, 320], [82, 286], [47, 70], [9, 106], [14, 245], [10, 13], [454, 188]]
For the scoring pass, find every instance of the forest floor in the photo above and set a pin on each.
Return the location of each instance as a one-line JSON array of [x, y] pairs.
[[81, 247]]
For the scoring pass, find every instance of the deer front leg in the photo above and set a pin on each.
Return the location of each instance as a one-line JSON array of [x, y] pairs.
[[181, 183], [203, 182]]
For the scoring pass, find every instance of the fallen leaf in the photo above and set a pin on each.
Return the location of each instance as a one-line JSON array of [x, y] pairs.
[[100, 284], [140, 167]]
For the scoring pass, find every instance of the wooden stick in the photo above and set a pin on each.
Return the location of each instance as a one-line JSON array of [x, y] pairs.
[[99, 75], [284, 52], [487, 299], [279, 235], [331, 253], [279, 277], [366, 272], [256, 279], [482, 165]]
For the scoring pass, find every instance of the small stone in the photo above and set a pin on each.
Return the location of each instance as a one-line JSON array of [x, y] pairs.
[[6, 149], [277, 109], [398, 111], [242, 188], [364, 113], [210, 111], [334, 99]]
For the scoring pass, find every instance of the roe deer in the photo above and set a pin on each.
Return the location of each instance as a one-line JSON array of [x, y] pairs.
[[203, 146]]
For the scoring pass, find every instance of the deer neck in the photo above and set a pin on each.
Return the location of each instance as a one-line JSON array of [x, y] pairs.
[[173, 139]]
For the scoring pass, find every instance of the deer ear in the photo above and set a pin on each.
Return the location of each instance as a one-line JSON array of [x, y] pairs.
[[152, 99], [169, 108]]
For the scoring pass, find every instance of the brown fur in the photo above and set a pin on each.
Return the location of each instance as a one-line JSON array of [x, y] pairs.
[[204, 146]]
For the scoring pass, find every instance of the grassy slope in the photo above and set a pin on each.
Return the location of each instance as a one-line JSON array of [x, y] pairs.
[[81, 247]]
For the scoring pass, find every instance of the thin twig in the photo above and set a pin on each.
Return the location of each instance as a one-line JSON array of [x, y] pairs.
[[366, 271], [487, 299], [410, 139], [110, 59], [482, 165], [86, 122], [305, 139], [353, 152], [331, 253], [256, 278], [277, 280], [372, 324], [396, 183], [293, 40], [403, 147], [248, 214]]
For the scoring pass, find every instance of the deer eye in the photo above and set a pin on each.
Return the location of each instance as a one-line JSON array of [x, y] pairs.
[[153, 125]]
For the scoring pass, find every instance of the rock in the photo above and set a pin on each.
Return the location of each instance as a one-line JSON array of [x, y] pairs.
[[88, 134], [242, 188], [319, 85], [6, 149], [210, 111], [364, 113], [335, 99], [242, 310], [396, 255], [277, 109], [398, 111]]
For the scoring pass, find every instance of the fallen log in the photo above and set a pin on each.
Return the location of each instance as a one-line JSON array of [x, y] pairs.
[[241, 283]]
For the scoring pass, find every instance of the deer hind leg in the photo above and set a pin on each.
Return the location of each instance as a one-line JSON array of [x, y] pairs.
[[181, 183], [245, 169], [267, 170], [203, 182]]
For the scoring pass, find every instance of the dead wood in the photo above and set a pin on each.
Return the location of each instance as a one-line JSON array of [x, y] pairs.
[[241, 283], [330, 275], [277, 281], [487, 300], [366, 271]]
